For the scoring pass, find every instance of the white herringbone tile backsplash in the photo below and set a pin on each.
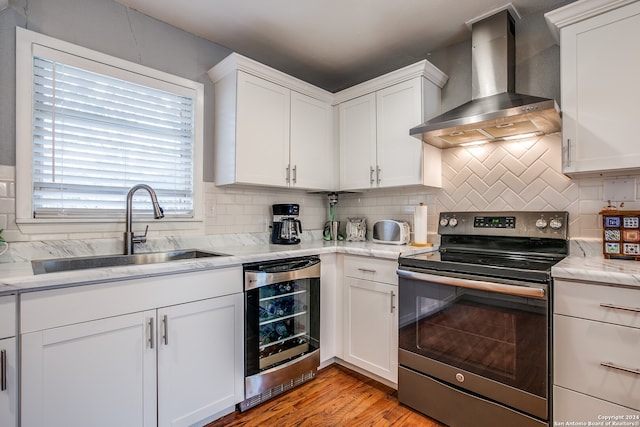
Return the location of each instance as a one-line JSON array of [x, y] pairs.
[[524, 175], [507, 176]]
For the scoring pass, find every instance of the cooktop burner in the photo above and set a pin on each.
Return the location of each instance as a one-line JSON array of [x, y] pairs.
[[507, 245]]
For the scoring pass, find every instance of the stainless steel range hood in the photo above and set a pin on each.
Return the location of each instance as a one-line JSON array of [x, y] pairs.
[[496, 112]]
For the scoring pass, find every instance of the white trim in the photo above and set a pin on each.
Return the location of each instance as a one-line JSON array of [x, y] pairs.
[[236, 62], [420, 69], [579, 11], [27, 42]]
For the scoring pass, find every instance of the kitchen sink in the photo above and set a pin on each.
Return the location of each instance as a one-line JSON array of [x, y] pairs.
[[82, 263]]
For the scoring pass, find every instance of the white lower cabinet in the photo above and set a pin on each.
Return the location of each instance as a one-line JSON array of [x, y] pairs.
[[9, 389], [198, 347], [8, 363], [371, 316], [174, 365], [99, 373], [596, 335]]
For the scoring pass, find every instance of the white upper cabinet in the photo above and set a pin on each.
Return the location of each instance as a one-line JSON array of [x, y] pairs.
[[358, 142], [311, 151], [270, 129], [599, 60], [262, 132], [376, 150]]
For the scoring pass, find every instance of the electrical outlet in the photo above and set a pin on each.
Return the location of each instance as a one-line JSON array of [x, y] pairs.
[[620, 190]]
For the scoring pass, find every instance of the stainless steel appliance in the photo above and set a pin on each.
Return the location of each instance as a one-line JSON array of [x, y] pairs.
[[282, 326], [286, 227], [474, 319], [496, 112], [391, 232]]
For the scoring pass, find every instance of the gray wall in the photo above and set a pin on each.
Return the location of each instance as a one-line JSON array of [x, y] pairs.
[[537, 63], [111, 28]]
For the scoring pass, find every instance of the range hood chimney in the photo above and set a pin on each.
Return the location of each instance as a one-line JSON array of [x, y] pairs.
[[496, 112]]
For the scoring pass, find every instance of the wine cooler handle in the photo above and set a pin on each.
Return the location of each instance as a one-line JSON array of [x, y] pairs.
[[393, 301], [150, 340], [165, 329]]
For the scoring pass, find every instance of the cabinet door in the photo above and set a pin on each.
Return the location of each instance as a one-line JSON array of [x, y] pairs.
[[262, 131], [200, 359], [8, 379], [98, 373], [358, 143], [600, 87], [371, 327], [399, 108], [311, 149]]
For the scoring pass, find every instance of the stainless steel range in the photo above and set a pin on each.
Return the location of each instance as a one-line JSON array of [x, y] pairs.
[[474, 338]]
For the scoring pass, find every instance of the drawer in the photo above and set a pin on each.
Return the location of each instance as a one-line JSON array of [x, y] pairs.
[[580, 348], [375, 269], [7, 316], [610, 304], [569, 405]]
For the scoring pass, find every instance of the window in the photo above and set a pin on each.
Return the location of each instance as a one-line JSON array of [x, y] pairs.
[[91, 126]]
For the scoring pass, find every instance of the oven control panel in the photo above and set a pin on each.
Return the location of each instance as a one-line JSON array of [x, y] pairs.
[[510, 223], [494, 222]]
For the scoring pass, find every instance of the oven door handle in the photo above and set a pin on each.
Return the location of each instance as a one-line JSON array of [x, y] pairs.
[[521, 291]]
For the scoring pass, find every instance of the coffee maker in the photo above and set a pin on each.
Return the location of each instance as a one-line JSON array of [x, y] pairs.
[[286, 228]]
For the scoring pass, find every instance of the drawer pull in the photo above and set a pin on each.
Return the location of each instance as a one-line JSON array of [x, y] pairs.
[[620, 368], [366, 270], [619, 307]]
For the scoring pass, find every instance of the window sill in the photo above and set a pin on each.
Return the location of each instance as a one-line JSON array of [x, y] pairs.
[[76, 226]]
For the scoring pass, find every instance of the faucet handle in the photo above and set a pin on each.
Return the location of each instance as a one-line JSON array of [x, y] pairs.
[[141, 238]]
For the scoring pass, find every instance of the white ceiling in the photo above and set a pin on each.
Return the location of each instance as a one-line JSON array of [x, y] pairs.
[[331, 43]]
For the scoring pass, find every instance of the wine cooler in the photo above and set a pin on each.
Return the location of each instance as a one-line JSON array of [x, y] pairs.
[[282, 326]]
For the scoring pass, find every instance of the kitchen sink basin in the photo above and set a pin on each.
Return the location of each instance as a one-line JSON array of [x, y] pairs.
[[82, 263]]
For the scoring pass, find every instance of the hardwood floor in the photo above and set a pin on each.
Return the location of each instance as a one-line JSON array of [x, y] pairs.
[[336, 397]]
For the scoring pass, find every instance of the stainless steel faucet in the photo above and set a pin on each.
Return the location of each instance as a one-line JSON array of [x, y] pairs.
[[129, 237]]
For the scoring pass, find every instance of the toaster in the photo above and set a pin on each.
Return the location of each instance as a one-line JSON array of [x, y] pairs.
[[391, 232]]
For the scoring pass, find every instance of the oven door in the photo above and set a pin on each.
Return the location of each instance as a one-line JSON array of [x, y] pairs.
[[485, 337]]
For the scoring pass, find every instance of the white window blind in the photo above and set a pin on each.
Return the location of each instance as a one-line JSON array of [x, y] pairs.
[[95, 136]]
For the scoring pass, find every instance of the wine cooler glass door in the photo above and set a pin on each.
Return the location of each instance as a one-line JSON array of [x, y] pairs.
[[282, 323]]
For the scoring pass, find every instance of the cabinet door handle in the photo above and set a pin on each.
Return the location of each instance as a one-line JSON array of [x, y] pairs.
[[620, 368], [619, 307], [568, 151], [295, 173], [372, 172], [288, 176], [379, 174], [165, 329], [150, 340], [393, 300], [3, 370]]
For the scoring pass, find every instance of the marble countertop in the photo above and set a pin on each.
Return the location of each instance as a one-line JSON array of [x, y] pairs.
[[586, 264], [18, 276]]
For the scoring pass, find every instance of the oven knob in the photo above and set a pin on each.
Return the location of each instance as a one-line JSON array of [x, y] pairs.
[[555, 223], [453, 222], [541, 223], [460, 377], [444, 221]]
